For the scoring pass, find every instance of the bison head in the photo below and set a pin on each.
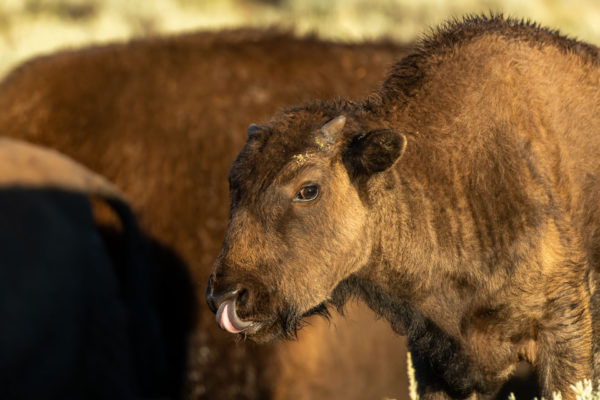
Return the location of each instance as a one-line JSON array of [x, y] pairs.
[[299, 219]]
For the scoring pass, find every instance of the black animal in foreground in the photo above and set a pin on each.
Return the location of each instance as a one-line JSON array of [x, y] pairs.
[[459, 201], [75, 308]]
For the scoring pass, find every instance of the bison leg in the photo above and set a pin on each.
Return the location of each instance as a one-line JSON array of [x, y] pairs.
[[565, 346], [594, 281], [435, 384], [429, 386]]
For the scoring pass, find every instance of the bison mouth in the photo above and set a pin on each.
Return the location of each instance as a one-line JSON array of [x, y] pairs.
[[283, 323], [261, 317], [228, 319]]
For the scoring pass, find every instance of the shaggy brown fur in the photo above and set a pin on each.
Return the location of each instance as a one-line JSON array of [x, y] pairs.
[[163, 119], [460, 201]]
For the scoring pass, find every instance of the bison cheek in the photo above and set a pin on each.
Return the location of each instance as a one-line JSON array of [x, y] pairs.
[[313, 275]]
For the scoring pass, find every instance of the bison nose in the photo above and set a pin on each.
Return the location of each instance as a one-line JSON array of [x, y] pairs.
[[216, 294], [215, 300], [211, 301]]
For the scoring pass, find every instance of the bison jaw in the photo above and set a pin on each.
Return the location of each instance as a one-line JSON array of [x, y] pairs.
[[228, 319]]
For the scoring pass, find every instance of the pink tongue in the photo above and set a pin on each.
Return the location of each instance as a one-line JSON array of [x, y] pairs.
[[225, 322]]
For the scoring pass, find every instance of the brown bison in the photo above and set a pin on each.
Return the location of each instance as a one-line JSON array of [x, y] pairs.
[[77, 318], [163, 118], [459, 201]]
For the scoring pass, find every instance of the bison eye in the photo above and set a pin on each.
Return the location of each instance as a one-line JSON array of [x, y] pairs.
[[307, 193]]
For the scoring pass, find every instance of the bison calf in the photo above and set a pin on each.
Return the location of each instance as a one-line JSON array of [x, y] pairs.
[[459, 200]]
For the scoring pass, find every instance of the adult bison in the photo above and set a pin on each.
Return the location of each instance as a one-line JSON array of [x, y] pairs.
[[77, 318], [459, 200], [163, 118]]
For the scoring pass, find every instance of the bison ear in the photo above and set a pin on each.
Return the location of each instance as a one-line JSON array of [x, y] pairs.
[[253, 129], [374, 152]]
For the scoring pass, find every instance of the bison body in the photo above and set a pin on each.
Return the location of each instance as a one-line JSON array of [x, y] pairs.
[[459, 200], [163, 119]]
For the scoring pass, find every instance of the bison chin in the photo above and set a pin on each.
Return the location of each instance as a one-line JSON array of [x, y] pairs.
[[284, 325]]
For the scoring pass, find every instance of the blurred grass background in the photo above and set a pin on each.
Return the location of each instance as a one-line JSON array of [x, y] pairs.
[[31, 27]]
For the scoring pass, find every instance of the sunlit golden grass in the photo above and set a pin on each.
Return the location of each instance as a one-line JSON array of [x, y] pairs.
[[412, 382], [29, 27]]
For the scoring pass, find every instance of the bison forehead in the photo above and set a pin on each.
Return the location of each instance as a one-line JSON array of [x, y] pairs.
[[290, 138]]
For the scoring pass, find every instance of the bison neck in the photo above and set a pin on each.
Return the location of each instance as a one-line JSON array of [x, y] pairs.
[[412, 262], [436, 264], [440, 235]]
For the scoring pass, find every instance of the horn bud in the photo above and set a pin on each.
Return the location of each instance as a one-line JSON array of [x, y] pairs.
[[331, 130]]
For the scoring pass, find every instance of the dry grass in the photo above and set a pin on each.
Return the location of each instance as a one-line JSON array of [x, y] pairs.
[[412, 382], [29, 27]]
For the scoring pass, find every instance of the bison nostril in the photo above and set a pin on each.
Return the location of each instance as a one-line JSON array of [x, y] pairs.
[[211, 301], [215, 300], [242, 296]]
